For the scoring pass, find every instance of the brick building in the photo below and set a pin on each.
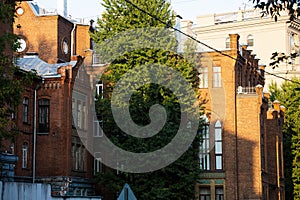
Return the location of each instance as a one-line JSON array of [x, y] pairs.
[[241, 154], [53, 112]]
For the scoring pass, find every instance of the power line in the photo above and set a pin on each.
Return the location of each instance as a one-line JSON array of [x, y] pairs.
[[292, 81], [184, 1], [175, 29], [198, 41]]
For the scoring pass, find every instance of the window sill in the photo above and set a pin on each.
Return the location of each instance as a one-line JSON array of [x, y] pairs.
[[46, 133], [78, 171]]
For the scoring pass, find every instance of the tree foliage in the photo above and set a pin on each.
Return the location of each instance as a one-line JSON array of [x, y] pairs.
[[275, 7], [289, 96], [176, 181], [10, 89], [11, 76]]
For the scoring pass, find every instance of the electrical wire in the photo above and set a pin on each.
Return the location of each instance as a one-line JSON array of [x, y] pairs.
[[202, 43]]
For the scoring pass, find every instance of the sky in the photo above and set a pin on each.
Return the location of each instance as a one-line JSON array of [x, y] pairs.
[[188, 9]]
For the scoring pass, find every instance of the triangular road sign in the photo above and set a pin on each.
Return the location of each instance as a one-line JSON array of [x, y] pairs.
[[126, 193]]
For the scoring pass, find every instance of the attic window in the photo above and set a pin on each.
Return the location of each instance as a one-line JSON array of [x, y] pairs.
[[65, 46], [227, 43], [250, 41]]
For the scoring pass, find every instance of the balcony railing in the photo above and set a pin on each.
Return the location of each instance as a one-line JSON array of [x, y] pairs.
[[246, 90]]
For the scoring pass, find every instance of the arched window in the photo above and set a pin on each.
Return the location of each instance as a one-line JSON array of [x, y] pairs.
[[227, 43], [218, 145], [250, 41]]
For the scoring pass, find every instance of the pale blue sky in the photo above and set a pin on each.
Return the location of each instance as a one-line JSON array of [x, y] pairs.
[[188, 9]]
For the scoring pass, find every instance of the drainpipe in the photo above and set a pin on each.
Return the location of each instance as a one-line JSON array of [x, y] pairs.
[[236, 143], [72, 39], [34, 130]]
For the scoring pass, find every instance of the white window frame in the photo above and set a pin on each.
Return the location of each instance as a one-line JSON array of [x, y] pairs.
[[98, 127], [99, 89], [98, 167], [227, 43], [203, 78], [24, 155], [250, 40], [79, 113], [204, 152], [218, 146], [217, 77]]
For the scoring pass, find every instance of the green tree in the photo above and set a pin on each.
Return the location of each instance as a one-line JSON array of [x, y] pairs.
[[10, 89], [176, 181], [11, 76], [289, 97]]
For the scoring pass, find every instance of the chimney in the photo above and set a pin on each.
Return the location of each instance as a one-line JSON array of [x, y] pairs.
[[276, 105], [262, 70], [234, 41], [62, 8]]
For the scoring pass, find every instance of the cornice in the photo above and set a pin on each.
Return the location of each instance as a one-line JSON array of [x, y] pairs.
[[295, 25], [240, 24]]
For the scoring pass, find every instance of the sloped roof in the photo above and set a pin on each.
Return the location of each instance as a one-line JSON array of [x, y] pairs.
[[41, 67]]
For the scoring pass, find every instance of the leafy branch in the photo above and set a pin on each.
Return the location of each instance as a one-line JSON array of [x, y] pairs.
[[274, 7], [279, 57]]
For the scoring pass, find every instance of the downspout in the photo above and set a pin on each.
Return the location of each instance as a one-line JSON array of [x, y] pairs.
[[34, 130], [236, 139], [72, 39]]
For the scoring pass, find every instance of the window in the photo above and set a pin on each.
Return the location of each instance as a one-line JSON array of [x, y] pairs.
[[204, 150], [79, 119], [97, 163], [24, 155], [203, 78], [73, 113], [82, 159], [25, 109], [204, 193], [99, 90], [83, 122], [218, 145], [250, 41], [44, 105], [217, 76], [78, 156], [227, 43], [219, 194], [12, 147], [98, 125]]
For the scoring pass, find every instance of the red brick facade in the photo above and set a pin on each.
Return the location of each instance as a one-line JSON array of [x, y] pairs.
[[241, 163], [60, 154]]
